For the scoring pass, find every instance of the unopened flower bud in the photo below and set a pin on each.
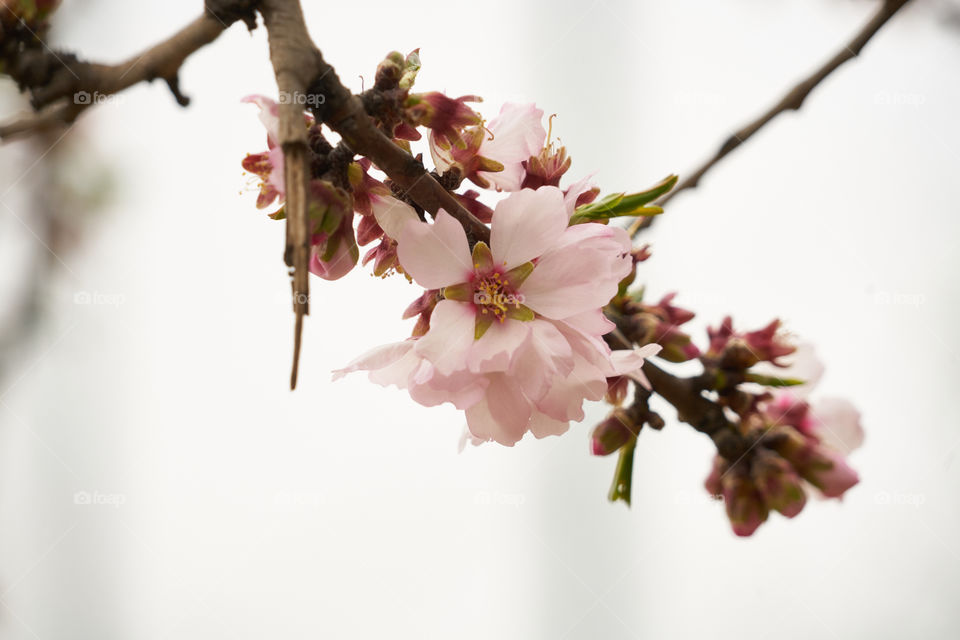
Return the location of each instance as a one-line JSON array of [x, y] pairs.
[[778, 483], [744, 503], [765, 345], [617, 389], [446, 117], [613, 433], [738, 355], [712, 483], [828, 471]]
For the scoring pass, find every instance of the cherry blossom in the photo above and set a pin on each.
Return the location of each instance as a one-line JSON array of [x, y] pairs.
[[516, 341]]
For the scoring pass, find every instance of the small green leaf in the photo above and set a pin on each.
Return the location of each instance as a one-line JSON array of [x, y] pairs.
[[620, 489], [618, 205], [772, 381]]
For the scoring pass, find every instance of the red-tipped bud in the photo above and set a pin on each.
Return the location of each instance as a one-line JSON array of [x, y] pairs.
[[611, 434], [745, 506], [446, 117], [617, 389], [778, 483]]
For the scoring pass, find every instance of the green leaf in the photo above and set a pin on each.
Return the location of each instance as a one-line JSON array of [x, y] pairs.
[[618, 205], [623, 476], [411, 66], [773, 381]]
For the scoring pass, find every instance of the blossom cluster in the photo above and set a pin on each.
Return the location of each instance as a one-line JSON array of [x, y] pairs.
[[519, 331]]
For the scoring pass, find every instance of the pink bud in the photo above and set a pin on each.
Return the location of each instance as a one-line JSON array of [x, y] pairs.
[[712, 483], [612, 433], [778, 483], [829, 472], [617, 389], [745, 506], [446, 117]]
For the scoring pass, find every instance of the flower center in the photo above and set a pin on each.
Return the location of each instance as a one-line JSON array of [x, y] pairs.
[[494, 296]]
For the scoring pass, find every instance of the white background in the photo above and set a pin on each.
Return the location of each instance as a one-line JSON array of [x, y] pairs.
[[344, 510]]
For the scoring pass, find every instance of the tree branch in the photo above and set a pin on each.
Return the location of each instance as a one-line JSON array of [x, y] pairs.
[[295, 61], [301, 72], [701, 413], [793, 100], [686, 396], [64, 86]]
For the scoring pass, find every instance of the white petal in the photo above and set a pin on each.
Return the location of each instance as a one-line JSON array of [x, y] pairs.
[[392, 215], [502, 416], [498, 346], [526, 224], [838, 424], [450, 337], [435, 255], [376, 358]]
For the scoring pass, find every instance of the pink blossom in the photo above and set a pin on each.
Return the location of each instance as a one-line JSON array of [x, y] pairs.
[[516, 342], [516, 134], [268, 165], [494, 156], [817, 439]]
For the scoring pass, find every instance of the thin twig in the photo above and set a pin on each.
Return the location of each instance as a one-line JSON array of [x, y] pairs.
[[65, 87], [793, 100], [301, 72], [294, 59]]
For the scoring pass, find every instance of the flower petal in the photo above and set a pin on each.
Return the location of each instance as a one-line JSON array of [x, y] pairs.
[[435, 255], [269, 116], [837, 424], [392, 215], [450, 337], [564, 399], [629, 362], [461, 389], [503, 415], [376, 358], [542, 425], [515, 134], [527, 224], [498, 346], [580, 274]]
